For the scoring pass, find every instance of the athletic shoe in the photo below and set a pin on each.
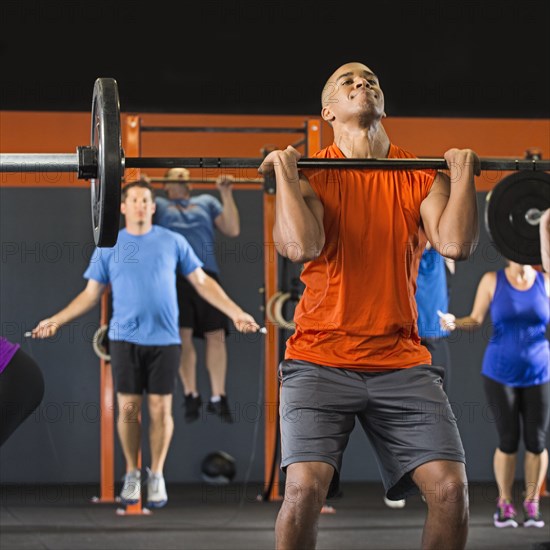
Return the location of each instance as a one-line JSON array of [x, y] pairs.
[[156, 490], [221, 408], [505, 516], [533, 517], [395, 503], [192, 407], [131, 489]]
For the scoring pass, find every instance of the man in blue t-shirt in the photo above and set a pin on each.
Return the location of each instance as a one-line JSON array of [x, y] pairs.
[[197, 218], [144, 341]]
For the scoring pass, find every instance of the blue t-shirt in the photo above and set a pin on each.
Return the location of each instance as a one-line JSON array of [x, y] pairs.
[[431, 294], [142, 272], [518, 353], [194, 219]]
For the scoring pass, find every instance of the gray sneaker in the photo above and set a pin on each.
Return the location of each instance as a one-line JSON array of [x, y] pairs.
[[156, 490], [131, 490]]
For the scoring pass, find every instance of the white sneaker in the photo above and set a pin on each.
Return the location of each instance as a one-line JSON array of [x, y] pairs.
[[395, 503], [131, 490], [156, 490]]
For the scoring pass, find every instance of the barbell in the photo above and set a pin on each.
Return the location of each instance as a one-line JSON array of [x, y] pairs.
[[103, 163]]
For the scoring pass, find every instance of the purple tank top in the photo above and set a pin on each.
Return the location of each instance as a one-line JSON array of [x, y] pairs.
[[7, 351], [518, 353]]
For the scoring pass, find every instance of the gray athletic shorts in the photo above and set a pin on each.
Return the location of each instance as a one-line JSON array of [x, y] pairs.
[[405, 414]]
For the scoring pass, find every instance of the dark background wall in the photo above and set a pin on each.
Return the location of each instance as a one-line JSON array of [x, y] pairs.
[[42, 266], [458, 59]]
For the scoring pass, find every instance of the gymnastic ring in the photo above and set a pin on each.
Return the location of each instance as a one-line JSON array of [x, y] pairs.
[[278, 312], [269, 305], [98, 343]]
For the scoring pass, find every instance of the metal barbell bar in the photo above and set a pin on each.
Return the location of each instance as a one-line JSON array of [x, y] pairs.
[[155, 179], [65, 162]]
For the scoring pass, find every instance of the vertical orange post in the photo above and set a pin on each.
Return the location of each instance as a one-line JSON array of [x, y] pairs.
[[313, 142], [107, 421], [271, 382], [543, 490]]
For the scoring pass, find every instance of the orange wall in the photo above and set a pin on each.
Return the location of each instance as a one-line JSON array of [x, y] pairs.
[[60, 132]]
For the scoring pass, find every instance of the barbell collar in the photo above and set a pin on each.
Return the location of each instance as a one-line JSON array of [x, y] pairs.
[[87, 162]]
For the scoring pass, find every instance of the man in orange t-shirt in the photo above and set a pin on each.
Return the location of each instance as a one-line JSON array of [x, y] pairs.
[[356, 350]]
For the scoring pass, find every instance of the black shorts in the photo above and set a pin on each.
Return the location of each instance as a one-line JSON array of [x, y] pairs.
[[137, 368], [197, 313]]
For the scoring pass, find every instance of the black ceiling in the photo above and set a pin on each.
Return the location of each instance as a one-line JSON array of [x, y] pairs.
[[453, 59]]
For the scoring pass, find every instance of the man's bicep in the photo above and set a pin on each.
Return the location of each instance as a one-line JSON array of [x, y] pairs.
[[196, 277], [312, 201], [94, 289]]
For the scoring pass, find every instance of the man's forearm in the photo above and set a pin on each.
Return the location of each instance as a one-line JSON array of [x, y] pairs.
[[459, 225], [79, 306], [230, 215], [214, 294]]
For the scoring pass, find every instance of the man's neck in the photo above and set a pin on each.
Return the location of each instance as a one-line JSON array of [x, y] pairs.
[[179, 196], [363, 142], [139, 228]]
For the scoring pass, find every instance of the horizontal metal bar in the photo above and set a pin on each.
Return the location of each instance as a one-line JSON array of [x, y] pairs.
[[223, 129], [38, 162], [59, 162], [191, 162], [382, 163], [203, 180]]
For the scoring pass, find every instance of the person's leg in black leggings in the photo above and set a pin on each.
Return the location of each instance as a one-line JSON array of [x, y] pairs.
[[21, 391], [535, 413], [504, 403]]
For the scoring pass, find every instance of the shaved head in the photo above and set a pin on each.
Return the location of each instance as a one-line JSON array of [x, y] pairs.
[[331, 85]]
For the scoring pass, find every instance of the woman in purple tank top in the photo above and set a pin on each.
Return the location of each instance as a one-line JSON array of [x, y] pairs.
[[21, 387], [516, 378]]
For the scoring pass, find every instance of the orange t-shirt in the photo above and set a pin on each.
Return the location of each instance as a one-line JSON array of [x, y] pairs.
[[358, 309]]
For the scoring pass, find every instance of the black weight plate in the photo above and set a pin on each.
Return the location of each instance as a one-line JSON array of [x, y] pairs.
[[505, 209], [106, 138]]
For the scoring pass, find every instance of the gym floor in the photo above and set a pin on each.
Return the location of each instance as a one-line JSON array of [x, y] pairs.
[[200, 517]]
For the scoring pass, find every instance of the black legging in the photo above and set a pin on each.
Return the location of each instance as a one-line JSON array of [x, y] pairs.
[[21, 391], [508, 404]]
